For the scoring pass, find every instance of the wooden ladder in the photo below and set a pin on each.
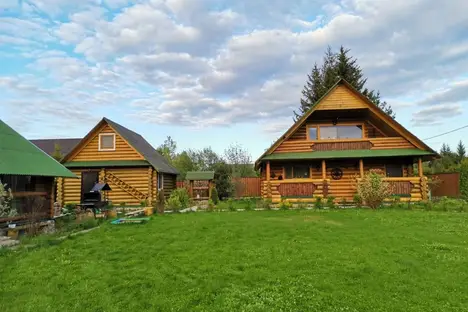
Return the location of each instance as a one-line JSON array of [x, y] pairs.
[[126, 187]]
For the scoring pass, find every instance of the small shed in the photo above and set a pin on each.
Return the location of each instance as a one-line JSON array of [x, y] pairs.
[[29, 173], [200, 184]]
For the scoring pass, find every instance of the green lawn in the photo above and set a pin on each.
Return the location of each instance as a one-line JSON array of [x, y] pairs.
[[353, 260]]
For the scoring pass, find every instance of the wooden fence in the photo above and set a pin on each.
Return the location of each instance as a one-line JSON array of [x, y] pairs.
[[244, 187], [446, 184]]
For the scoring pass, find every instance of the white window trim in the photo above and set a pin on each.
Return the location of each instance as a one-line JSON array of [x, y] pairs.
[[105, 149]]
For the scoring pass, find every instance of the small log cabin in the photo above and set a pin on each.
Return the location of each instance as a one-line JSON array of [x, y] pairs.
[[113, 154], [29, 173], [340, 138]]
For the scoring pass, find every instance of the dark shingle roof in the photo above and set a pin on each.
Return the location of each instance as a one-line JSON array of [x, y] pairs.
[[143, 147], [200, 175], [48, 145], [18, 156]]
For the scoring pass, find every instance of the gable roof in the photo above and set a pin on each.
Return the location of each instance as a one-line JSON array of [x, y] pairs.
[[48, 145], [200, 175], [374, 108], [18, 156], [137, 142]]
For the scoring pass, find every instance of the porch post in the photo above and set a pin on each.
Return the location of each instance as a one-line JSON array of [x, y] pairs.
[[324, 170], [361, 167], [420, 167], [210, 186], [268, 171]]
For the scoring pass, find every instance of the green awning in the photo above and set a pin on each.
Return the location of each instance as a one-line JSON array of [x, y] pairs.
[[348, 154], [106, 163], [18, 156], [200, 175]]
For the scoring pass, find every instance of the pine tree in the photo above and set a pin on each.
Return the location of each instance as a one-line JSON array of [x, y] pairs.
[[57, 155], [461, 152], [336, 66]]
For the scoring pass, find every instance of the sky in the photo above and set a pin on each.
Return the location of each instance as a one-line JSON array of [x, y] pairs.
[[216, 72]]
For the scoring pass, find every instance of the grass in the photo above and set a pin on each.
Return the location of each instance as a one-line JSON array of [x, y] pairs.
[[342, 260]]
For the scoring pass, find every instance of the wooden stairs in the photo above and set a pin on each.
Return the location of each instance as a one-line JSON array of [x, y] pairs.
[[126, 187]]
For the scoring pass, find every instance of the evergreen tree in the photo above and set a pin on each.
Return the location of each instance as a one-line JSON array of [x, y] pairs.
[[57, 155], [336, 66], [461, 152]]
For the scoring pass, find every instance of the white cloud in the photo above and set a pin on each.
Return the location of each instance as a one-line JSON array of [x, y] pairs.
[[435, 115]]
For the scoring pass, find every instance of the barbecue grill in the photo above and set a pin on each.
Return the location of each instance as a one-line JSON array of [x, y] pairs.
[[96, 198]]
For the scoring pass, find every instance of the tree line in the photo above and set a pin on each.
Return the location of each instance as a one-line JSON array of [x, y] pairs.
[[450, 161]]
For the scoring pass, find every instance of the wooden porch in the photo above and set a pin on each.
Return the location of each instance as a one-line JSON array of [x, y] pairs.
[[407, 188]]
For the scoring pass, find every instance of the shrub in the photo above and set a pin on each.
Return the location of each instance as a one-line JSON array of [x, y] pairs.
[[357, 199], [223, 179], [123, 204], [248, 204], [373, 189], [301, 205], [464, 179], [264, 203], [330, 202], [451, 204], [343, 202], [285, 205], [6, 196], [318, 203], [230, 204], [214, 196], [211, 206], [144, 203], [179, 199]]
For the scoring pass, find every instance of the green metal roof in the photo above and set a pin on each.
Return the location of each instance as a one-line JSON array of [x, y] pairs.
[[106, 163], [18, 156], [348, 154], [200, 175]]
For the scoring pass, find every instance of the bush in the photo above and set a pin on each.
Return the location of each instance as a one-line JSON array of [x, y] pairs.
[[179, 199], [318, 203], [123, 204], [464, 179], [343, 202], [357, 199], [214, 196], [211, 206], [373, 189], [451, 204], [144, 203], [223, 179], [264, 203], [6, 196], [331, 202], [285, 205], [249, 204], [230, 204]]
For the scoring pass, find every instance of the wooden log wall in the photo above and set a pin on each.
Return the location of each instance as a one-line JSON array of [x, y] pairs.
[[123, 151], [169, 184], [391, 143], [136, 177], [341, 98], [271, 189], [71, 188]]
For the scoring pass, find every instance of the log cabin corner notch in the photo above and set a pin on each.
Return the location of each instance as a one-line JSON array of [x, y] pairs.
[[341, 137], [122, 158]]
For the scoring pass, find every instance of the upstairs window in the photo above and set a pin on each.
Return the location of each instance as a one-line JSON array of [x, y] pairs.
[[312, 133], [107, 142], [297, 172], [340, 132]]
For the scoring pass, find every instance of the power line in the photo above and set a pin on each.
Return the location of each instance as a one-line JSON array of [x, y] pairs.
[[436, 136]]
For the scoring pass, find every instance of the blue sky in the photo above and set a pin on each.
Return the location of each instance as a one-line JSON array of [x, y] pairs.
[[216, 72]]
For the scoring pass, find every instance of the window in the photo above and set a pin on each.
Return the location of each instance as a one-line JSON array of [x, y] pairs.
[[297, 172], [312, 133], [341, 132], [160, 181], [107, 142]]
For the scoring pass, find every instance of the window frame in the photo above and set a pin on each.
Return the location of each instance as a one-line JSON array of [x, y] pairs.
[[318, 125], [100, 141], [291, 166], [160, 182]]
